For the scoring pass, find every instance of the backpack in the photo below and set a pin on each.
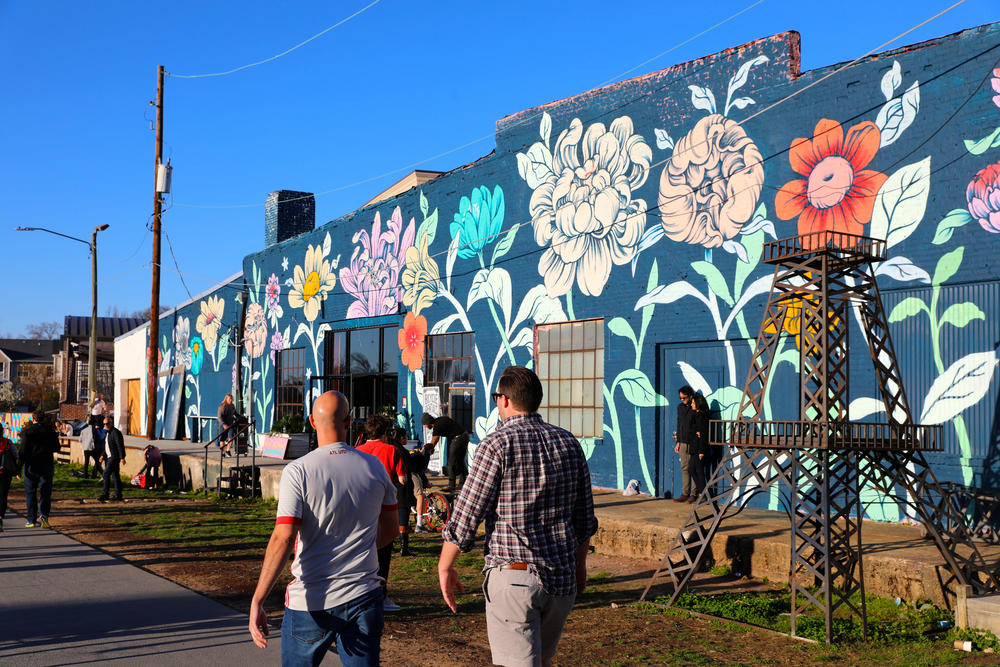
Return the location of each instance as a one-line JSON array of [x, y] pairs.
[[8, 463]]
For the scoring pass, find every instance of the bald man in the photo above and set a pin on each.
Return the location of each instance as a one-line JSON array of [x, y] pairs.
[[336, 506]]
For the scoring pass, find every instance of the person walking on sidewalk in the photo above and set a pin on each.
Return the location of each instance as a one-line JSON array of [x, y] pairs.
[[458, 445], [38, 443], [114, 456], [10, 468], [530, 482], [336, 507], [92, 446]]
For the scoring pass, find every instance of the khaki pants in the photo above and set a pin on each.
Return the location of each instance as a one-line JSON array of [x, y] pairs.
[[523, 622]]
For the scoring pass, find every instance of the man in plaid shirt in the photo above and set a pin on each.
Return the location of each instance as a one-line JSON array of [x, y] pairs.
[[529, 481]]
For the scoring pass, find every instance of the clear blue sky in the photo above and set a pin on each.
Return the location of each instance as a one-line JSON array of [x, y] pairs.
[[400, 83]]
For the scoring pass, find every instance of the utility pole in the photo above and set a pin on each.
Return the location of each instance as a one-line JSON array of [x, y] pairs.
[[154, 302]]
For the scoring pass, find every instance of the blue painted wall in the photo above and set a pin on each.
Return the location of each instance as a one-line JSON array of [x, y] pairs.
[[646, 203]]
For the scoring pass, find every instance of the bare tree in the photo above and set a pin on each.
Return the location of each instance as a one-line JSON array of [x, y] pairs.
[[44, 330]]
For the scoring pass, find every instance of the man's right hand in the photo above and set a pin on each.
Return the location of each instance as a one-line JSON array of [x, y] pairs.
[[258, 624], [449, 582]]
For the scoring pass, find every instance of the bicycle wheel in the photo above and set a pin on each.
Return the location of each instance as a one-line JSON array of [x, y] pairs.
[[438, 511]]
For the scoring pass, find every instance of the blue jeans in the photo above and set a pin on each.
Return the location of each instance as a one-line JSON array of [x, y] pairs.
[[40, 483], [355, 626]]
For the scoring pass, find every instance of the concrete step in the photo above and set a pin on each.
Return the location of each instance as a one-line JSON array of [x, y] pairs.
[[984, 612]]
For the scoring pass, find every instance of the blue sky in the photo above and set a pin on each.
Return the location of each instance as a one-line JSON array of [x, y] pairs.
[[396, 85]]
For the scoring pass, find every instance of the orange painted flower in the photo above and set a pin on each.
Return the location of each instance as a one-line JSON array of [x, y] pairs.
[[838, 193], [411, 340]]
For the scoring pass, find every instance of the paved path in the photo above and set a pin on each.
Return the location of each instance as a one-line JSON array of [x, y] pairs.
[[65, 603]]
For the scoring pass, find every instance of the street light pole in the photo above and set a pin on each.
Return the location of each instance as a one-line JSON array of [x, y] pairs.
[[92, 359]]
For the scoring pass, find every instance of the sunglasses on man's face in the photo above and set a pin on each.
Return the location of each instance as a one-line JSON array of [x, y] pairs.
[[496, 396]]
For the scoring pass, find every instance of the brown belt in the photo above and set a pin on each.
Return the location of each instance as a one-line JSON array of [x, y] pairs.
[[514, 566]]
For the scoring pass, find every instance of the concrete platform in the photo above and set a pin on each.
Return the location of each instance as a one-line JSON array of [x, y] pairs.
[[898, 562]]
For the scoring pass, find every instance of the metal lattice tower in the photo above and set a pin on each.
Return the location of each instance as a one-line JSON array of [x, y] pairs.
[[822, 460]]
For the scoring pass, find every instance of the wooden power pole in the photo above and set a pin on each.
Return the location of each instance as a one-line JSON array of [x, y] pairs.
[[152, 367]]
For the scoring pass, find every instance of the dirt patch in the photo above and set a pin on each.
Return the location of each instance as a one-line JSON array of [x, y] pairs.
[[604, 628]]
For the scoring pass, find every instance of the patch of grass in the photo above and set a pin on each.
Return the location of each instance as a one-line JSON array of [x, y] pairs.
[[599, 578], [981, 639], [721, 570]]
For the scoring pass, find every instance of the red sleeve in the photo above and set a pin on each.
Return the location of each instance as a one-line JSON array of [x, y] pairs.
[[398, 464], [288, 519]]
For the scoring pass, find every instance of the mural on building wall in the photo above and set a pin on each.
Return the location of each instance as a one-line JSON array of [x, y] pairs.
[[585, 206]]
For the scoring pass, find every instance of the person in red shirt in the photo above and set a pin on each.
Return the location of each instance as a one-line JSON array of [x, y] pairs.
[[377, 429], [9, 468]]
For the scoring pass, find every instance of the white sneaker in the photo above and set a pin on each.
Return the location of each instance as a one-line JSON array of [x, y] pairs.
[[389, 605]]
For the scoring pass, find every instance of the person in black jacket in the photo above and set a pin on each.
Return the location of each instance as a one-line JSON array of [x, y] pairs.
[[684, 437], [458, 445], [38, 443], [700, 450], [114, 455]]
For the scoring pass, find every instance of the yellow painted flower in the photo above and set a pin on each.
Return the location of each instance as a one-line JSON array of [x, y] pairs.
[[311, 283], [210, 320], [420, 277]]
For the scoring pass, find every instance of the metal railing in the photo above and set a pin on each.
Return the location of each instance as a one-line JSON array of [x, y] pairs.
[[244, 428], [825, 435], [840, 243]]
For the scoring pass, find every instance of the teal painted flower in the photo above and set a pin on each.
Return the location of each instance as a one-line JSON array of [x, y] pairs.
[[478, 220], [197, 355]]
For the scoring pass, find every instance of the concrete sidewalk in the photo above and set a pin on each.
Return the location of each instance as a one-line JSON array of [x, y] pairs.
[[64, 603]]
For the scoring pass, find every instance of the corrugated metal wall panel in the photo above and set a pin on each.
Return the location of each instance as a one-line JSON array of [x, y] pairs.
[[916, 356]]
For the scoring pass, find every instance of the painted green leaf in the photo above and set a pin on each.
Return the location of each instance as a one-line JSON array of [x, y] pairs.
[[620, 327], [647, 311], [956, 218], [991, 140], [654, 277], [187, 391], [428, 227], [754, 243], [638, 390], [424, 206], [960, 314], [223, 348], [900, 203], [715, 281], [947, 266], [505, 244], [908, 307]]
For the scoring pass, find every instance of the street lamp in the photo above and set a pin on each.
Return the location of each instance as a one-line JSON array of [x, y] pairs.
[[92, 359]]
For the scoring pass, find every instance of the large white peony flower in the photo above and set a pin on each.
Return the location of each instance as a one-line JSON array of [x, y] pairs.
[[584, 210]]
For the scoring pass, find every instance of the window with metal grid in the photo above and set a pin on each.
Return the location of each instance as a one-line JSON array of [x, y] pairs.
[[450, 365], [290, 382], [569, 361]]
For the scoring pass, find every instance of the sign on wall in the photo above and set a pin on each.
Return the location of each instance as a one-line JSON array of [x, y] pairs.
[[432, 406]]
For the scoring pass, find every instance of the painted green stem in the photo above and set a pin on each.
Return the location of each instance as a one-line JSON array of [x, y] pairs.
[[958, 421], [616, 435], [569, 304], [500, 327]]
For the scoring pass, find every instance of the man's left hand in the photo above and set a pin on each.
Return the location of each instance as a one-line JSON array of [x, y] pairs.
[[258, 624]]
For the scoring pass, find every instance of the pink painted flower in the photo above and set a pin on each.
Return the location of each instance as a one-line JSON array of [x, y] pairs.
[[277, 343], [376, 264], [255, 330], [273, 291], [996, 86], [983, 194]]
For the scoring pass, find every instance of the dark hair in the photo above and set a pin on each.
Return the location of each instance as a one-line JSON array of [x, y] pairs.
[[686, 390], [397, 434], [427, 420], [700, 403], [522, 387], [376, 426]]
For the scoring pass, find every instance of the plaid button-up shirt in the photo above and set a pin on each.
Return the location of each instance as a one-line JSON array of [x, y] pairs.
[[530, 483]]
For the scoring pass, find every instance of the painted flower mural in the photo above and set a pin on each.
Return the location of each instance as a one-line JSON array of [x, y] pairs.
[[582, 209], [421, 277], [983, 195], [182, 347], [197, 355], [478, 220], [838, 193], [995, 80], [411, 340], [710, 186], [255, 330], [311, 283], [376, 263], [272, 294], [209, 321], [277, 343]]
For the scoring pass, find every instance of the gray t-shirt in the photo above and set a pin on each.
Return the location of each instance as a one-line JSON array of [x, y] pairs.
[[335, 494]]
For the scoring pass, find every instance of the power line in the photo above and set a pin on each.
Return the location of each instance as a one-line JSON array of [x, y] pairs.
[[283, 53], [528, 118]]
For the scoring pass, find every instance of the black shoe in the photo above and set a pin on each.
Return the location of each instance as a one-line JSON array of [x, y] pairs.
[[403, 552], [102, 499], [119, 499]]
